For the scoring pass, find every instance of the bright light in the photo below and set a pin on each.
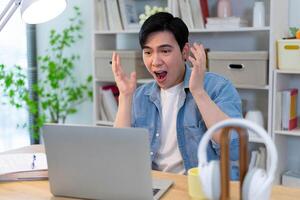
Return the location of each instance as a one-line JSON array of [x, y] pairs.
[[39, 11]]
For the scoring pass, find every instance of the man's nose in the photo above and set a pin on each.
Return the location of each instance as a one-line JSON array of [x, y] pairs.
[[156, 60]]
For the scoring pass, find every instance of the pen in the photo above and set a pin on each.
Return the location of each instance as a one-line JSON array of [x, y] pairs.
[[33, 161]]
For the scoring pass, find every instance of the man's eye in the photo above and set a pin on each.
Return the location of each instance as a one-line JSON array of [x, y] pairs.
[[147, 52], [166, 51]]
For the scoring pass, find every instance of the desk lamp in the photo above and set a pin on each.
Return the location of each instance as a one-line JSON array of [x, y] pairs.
[[33, 11]]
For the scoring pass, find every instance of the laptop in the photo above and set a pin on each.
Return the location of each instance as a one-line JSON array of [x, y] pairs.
[[96, 162]]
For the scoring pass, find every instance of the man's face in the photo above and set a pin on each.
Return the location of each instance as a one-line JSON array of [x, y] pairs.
[[163, 58]]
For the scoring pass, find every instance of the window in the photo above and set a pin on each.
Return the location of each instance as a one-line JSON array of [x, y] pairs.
[[13, 52]]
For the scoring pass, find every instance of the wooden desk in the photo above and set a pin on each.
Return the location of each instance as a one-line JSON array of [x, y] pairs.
[[39, 190]]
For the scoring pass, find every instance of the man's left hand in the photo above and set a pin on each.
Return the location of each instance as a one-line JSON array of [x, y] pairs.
[[198, 61]]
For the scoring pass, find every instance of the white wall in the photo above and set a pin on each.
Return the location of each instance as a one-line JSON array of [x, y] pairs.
[[294, 14], [84, 47]]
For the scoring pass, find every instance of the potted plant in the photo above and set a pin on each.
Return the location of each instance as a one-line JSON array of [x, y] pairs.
[[58, 91]]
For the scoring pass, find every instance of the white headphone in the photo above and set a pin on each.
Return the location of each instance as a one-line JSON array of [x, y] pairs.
[[257, 183]]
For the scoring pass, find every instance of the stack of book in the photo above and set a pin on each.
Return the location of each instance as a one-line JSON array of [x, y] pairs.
[[227, 22], [108, 105], [289, 117], [117, 15], [191, 13]]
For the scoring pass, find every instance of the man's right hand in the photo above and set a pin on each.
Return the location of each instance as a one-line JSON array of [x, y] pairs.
[[125, 83]]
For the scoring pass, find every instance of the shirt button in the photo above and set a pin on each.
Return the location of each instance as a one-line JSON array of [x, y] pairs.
[[151, 153], [157, 134]]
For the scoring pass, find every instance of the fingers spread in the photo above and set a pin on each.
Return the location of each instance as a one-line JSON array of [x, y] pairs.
[[133, 77], [116, 65], [199, 60]]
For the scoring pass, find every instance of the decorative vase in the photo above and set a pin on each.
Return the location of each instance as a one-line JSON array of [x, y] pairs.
[[259, 14], [224, 8]]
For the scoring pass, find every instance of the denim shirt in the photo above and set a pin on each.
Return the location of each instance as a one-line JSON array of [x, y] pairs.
[[146, 113]]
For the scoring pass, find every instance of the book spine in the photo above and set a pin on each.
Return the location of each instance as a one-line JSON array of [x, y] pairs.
[[197, 14], [293, 109], [204, 8], [278, 116], [289, 109], [186, 13]]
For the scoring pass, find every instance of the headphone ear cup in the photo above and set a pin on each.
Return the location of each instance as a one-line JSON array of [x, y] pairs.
[[252, 184], [210, 178]]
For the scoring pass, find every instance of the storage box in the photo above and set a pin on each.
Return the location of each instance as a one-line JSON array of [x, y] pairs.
[[130, 61], [242, 68], [288, 54]]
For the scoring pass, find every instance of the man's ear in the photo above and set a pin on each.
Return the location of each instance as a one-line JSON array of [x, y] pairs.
[[186, 51]]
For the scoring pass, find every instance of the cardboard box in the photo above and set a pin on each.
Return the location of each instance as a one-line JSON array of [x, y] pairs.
[[242, 68], [288, 54], [130, 60]]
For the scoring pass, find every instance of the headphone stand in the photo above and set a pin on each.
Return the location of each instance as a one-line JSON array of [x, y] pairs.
[[243, 160]]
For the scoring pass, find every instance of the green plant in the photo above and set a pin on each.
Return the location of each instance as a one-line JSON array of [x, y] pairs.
[[58, 91], [295, 32]]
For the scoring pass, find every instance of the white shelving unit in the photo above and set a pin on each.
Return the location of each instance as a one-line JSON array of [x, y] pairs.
[[239, 39], [287, 142], [294, 132]]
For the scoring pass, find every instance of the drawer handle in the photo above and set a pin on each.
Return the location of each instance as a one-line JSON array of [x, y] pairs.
[[236, 66], [291, 47]]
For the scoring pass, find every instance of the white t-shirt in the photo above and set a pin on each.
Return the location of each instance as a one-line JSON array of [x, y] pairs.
[[169, 158]]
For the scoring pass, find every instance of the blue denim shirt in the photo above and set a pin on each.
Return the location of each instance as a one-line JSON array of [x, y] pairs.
[[146, 113]]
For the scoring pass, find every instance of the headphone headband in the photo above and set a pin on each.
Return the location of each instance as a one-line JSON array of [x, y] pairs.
[[246, 124]]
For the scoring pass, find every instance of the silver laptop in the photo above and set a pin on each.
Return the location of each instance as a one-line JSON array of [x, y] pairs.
[[100, 163]]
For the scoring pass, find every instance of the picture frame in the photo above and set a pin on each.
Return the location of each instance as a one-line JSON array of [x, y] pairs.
[[129, 14]]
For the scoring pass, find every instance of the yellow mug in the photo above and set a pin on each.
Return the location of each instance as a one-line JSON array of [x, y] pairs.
[[194, 185]]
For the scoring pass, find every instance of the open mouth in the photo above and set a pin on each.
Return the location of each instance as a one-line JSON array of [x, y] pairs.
[[161, 74]]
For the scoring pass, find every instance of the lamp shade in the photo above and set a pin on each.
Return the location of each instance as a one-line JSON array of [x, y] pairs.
[[39, 11]]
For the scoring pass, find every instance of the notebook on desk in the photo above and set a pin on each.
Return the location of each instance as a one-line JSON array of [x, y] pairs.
[[100, 163], [23, 166]]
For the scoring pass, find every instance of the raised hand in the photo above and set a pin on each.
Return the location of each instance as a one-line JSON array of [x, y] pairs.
[[125, 83], [198, 61]]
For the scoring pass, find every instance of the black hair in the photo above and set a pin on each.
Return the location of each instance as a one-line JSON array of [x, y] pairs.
[[164, 21]]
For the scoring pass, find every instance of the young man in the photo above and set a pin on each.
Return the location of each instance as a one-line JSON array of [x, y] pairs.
[[182, 102]]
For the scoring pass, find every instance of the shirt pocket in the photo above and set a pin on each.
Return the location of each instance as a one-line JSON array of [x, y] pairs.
[[194, 132]]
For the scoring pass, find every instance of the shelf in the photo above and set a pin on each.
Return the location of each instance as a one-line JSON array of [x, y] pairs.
[[256, 140], [251, 87], [116, 32], [105, 81], [286, 71], [242, 29], [145, 80], [294, 132], [139, 81]]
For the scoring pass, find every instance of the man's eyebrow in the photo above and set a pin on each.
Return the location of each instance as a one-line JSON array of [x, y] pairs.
[[160, 46], [165, 45], [146, 47]]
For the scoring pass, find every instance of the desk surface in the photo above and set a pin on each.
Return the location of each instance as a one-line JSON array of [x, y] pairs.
[[39, 190]]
